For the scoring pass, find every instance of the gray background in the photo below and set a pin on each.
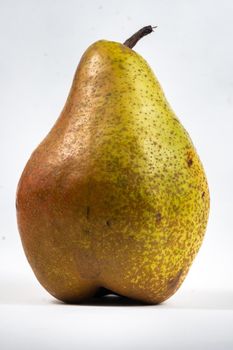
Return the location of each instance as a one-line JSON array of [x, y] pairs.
[[191, 53]]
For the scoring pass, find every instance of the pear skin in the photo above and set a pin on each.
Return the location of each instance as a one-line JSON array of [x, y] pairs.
[[115, 196]]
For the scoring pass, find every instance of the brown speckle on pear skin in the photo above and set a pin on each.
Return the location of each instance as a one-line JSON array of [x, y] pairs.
[[172, 284], [108, 223], [190, 162], [158, 217]]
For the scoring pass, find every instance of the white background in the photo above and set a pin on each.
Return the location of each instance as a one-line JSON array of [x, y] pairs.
[[191, 53]]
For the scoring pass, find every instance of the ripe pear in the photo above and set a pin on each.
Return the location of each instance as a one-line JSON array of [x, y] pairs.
[[115, 196]]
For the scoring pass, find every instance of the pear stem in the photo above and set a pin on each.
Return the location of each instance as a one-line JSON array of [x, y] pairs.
[[132, 41]]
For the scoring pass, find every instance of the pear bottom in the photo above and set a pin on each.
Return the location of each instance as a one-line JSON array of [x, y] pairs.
[[76, 247], [75, 280]]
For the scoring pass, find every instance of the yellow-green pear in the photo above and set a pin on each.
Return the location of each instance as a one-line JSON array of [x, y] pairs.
[[115, 196]]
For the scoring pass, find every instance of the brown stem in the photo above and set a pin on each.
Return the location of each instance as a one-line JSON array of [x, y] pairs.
[[132, 41]]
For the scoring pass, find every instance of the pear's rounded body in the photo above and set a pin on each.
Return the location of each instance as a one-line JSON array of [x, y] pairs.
[[115, 196]]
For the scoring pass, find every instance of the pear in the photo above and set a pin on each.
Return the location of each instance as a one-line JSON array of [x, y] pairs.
[[115, 197]]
